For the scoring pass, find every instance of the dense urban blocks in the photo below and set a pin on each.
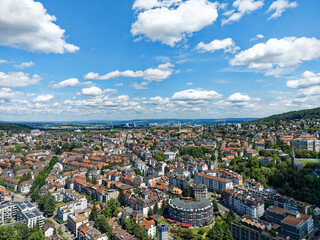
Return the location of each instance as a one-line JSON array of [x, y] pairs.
[[190, 212]]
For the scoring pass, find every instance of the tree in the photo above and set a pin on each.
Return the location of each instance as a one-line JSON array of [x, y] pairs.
[[215, 206], [37, 235], [94, 213], [187, 191], [102, 225], [50, 204], [156, 208]]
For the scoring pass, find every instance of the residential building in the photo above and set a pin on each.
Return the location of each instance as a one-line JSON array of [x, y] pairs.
[[163, 231], [213, 183]]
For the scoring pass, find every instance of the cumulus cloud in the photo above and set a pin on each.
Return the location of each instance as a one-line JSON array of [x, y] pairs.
[[278, 56], [71, 82], [311, 91], [96, 91], [259, 36], [18, 79], [241, 7], [238, 97], [43, 98], [279, 6], [308, 79], [25, 24], [24, 65], [171, 21], [3, 61], [161, 72], [195, 95], [227, 45], [7, 93]]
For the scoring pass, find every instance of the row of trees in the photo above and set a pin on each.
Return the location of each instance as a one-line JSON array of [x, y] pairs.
[[41, 178]]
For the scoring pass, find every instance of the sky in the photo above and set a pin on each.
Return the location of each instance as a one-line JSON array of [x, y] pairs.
[[80, 60]]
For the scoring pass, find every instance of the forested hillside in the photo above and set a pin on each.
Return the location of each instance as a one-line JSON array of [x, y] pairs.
[[294, 115]]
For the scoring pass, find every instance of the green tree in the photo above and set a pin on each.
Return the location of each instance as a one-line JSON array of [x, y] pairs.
[[102, 225], [94, 213], [50, 204]]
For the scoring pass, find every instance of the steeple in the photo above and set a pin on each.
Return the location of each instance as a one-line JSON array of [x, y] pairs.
[[292, 156]]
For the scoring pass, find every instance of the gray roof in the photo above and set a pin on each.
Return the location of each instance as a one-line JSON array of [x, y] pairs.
[[203, 203]]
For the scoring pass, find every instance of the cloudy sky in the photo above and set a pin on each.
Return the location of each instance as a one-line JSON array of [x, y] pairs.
[[128, 59]]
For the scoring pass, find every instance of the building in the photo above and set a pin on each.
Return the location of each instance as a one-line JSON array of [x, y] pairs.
[[48, 229], [306, 142], [293, 224], [199, 191], [119, 234], [251, 228], [150, 227], [75, 220], [11, 183], [213, 183], [163, 231], [169, 155], [191, 213], [4, 195], [244, 204], [74, 202], [21, 211]]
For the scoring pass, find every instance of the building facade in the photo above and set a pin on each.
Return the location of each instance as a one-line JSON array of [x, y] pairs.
[[193, 213]]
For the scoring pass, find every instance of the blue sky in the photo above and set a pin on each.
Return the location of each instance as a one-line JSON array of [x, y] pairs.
[[120, 59]]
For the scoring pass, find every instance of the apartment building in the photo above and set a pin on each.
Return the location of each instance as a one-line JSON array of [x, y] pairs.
[[293, 224], [74, 202], [306, 142], [21, 211], [213, 183], [251, 228], [244, 204]]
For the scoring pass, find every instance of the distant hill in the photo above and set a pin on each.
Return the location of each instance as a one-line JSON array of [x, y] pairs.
[[15, 127], [294, 115]]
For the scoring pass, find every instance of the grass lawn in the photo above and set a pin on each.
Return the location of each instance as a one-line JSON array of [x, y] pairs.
[[305, 161]]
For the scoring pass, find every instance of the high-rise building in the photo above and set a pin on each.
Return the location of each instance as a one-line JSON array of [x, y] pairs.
[[163, 231]]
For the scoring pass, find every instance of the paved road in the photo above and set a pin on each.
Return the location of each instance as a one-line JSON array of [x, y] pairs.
[[63, 228], [17, 196]]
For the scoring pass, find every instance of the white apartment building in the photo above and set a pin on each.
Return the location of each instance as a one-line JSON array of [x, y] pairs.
[[213, 183], [74, 202]]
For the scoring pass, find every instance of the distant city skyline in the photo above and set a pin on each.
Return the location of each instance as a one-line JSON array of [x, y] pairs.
[[157, 59]]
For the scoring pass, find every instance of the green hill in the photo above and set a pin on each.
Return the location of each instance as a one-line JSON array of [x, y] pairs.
[[294, 115], [15, 127]]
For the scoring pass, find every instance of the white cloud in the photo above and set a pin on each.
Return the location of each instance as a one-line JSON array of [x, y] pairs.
[[25, 24], [91, 91], [172, 21], [71, 82], [119, 85], [18, 79], [238, 97], [227, 45], [24, 65], [3, 61], [259, 36], [308, 79], [194, 95], [278, 56], [311, 91], [7, 93], [189, 83], [43, 98], [279, 6], [161, 72], [242, 7], [96, 91]]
